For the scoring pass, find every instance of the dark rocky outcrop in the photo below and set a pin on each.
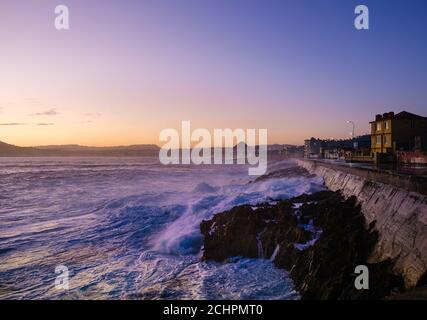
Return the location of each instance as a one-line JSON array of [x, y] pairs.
[[290, 172], [395, 202], [318, 238]]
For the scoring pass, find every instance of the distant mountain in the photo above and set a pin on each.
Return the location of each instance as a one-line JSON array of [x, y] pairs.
[[76, 147], [14, 151], [69, 150], [8, 150]]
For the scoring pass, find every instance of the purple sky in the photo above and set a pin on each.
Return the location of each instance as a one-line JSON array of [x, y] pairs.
[[128, 69]]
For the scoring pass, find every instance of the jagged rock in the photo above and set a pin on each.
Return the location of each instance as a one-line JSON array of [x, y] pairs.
[[294, 171], [398, 205], [318, 238]]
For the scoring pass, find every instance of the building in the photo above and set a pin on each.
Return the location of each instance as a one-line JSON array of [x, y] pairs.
[[356, 149], [312, 148], [338, 149], [404, 131]]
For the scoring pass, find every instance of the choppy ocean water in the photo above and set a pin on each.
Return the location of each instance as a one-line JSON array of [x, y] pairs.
[[128, 228]]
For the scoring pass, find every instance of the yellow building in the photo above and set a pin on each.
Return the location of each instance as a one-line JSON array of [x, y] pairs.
[[403, 131]]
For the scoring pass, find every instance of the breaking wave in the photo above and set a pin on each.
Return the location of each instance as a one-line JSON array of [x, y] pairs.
[[129, 228]]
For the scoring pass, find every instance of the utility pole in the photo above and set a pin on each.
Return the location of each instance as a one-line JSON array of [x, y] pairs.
[[355, 144], [352, 132]]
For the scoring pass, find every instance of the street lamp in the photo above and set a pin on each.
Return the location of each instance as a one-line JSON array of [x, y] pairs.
[[355, 143], [352, 132]]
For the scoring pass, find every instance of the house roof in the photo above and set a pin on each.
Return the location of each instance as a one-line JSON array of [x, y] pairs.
[[404, 115]]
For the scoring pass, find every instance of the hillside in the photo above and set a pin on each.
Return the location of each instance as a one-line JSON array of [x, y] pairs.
[[9, 150]]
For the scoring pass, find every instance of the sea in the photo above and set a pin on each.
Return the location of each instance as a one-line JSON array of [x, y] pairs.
[[128, 228]]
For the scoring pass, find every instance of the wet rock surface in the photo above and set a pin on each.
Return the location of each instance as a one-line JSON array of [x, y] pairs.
[[291, 172], [392, 201], [319, 238]]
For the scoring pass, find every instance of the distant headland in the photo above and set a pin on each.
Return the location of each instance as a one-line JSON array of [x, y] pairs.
[[74, 150]]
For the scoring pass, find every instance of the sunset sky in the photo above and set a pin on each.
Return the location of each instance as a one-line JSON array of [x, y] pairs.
[[128, 69]]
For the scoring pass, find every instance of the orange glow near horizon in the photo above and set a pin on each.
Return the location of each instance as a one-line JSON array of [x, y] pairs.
[[120, 77], [34, 122]]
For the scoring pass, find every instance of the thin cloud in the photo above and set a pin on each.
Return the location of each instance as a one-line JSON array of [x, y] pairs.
[[25, 124], [96, 114], [33, 100], [50, 112]]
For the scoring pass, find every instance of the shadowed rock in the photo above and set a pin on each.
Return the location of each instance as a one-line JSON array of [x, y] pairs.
[[318, 238], [291, 172]]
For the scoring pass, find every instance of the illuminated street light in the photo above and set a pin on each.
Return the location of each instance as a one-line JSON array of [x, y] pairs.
[[352, 132]]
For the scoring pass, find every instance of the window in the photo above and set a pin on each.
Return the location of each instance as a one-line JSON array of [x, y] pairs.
[[387, 125], [378, 139], [378, 126], [385, 139]]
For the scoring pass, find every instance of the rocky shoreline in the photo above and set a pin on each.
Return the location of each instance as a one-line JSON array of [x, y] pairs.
[[319, 239], [397, 207]]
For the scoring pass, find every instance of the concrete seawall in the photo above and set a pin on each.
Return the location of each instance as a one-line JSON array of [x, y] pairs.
[[397, 204]]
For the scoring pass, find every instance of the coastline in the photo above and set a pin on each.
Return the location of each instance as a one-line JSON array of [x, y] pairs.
[[320, 239], [399, 213]]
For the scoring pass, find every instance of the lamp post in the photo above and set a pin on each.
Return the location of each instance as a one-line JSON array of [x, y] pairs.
[[355, 144], [352, 132]]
